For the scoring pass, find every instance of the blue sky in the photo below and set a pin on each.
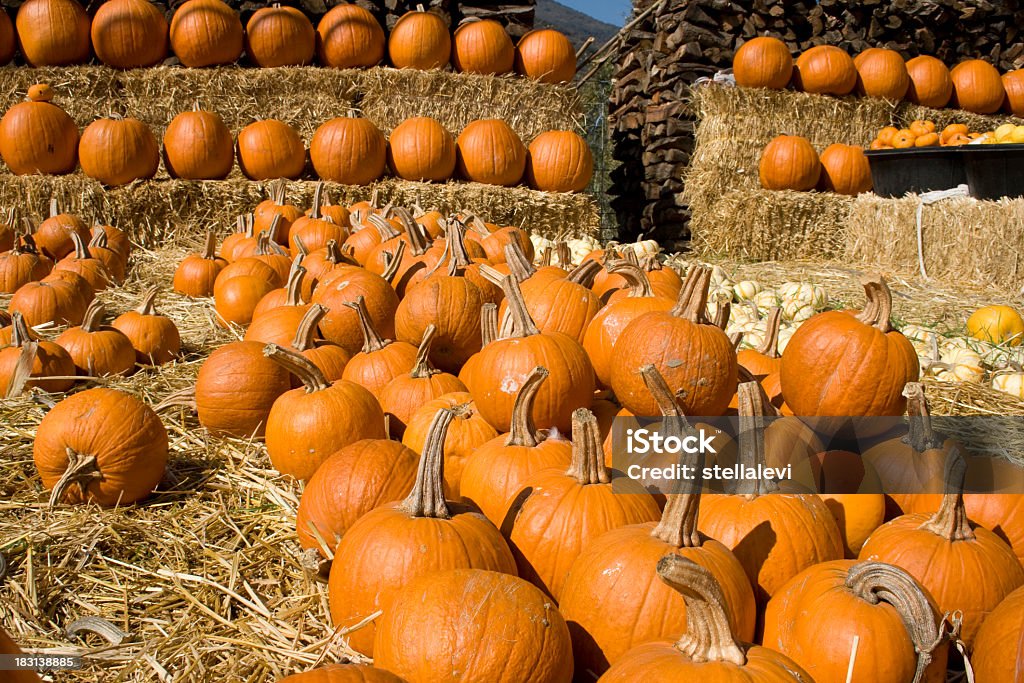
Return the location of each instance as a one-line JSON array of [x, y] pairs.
[[611, 11]]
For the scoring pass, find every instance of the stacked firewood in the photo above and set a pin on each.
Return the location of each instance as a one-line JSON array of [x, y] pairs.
[[652, 130]]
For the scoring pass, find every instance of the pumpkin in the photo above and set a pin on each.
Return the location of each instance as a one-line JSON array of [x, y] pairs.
[[21, 265], [82, 263], [118, 151], [559, 161], [53, 32], [707, 650], [489, 151], [482, 47], [964, 567], [206, 33], [100, 446], [8, 646], [845, 170], [289, 295], [330, 358], [881, 73], [154, 336], [7, 46], [763, 62], [348, 36], [930, 82], [315, 230], [37, 359], [38, 137], [774, 535], [977, 87], [405, 393], [305, 426], [98, 350], [417, 262], [421, 535], [343, 673], [275, 208], [270, 149], [60, 301], [858, 507], [240, 239], [882, 625], [556, 512], [128, 34], [420, 40], [100, 250], [613, 599], [276, 320], [1013, 84], [789, 162], [198, 146], [196, 274], [501, 368], [379, 360], [53, 237], [337, 213], [467, 433], [996, 325], [7, 231], [421, 149], [765, 359], [236, 388], [279, 36], [999, 646], [840, 363], [696, 359], [545, 55], [349, 150], [236, 298], [498, 468], [827, 70], [478, 607], [342, 324], [320, 264], [563, 305]]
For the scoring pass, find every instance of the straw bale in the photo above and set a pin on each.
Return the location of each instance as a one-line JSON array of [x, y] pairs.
[[907, 113], [769, 225], [735, 124], [964, 239], [159, 210]]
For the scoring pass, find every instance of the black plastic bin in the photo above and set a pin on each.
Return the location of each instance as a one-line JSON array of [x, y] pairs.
[[994, 171], [896, 172]]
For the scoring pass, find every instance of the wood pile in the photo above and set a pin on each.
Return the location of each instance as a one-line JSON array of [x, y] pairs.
[[651, 127]]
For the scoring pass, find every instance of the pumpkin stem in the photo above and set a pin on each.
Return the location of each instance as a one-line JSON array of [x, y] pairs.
[[80, 249], [708, 637], [394, 261], [587, 466], [920, 436], [518, 264], [879, 307], [318, 194], [493, 275], [693, 298], [636, 279], [277, 189], [308, 373], [427, 496], [950, 522], [584, 273], [547, 256], [23, 369], [456, 240], [384, 228], [372, 341], [488, 323], [300, 246], [82, 470], [875, 582], [98, 240], [751, 437], [148, 299], [524, 325], [54, 207], [417, 241], [305, 335], [421, 367], [19, 330], [293, 288], [769, 348], [722, 313], [93, 318], [629, 255], [275, 223], [735, 338], [478, 224], [523, 431], [675, 424], [334, 254], [209, 246], [678, 525], [564, 254]]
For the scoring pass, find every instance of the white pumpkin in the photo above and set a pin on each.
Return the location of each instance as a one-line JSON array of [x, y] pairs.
[[746, 290], [643, 248], [540, 244], [766, 299], [797, 310], [959, 365], [785, 334], [917, 333], [579, 247], [809, 293], [1011, 383]]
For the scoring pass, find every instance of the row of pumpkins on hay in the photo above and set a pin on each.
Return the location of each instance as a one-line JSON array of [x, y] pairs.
[[973, 85], [484, 360], [38, 136], [128, 34]]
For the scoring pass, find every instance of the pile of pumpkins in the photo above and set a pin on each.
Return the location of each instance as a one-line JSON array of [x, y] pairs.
[[973, 85], [447, 395], [38, 136], [129, 34], [790, 162]]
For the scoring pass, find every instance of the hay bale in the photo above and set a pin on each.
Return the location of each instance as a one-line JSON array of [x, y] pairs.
[[907, 113], [734, 125], [157, 211], [303, 97], [772, 226], [963, 238]]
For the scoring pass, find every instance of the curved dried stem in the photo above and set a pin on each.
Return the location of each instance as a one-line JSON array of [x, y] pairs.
[[318, 195], [147, 306], [488, 323], [305, 335], [372, 341], [693, 298], [584, 273], [564, 254], [735, 338], [293, 288], [752, 412], [93, 318], [384, 227], [678, 524], [524, 325], [20, 334], [209, 245], [421, 367], [950, 521], [394, 261], [769, 348], [417, 240], [22, 369], [879, 307], [722, 313], [300, 246], [523, 431], [662, 393], [636, 279], [427, 496], [82, 470], [587, 466], [920, 435], [518, 264], [308, 373]]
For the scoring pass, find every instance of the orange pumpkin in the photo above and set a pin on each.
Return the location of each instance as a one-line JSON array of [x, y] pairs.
[[930, 82], [345, 285], [270, 149], [96, 349], [9, 647], [977, 87], [21, 265], [154, 336], [420, 40], [999, 647], [789, 162], [197, 273], [379, 360], [206, 33], [825, 69], [845, 169], [882, 73], [1013, 84], [236, 388], [349, 150], [128, 34], [118, 151], [279, 36], [7, 47], [38, 137], [37, 358], [421, 149], [489, 151], [763, 62], [198, 146], [348, 36], [903, 139], [343, 673], [559, 161], [53, 32], [546, 55], [482, 47]]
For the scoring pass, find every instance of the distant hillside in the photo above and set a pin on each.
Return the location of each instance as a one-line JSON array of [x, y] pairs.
[[576, 25]]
